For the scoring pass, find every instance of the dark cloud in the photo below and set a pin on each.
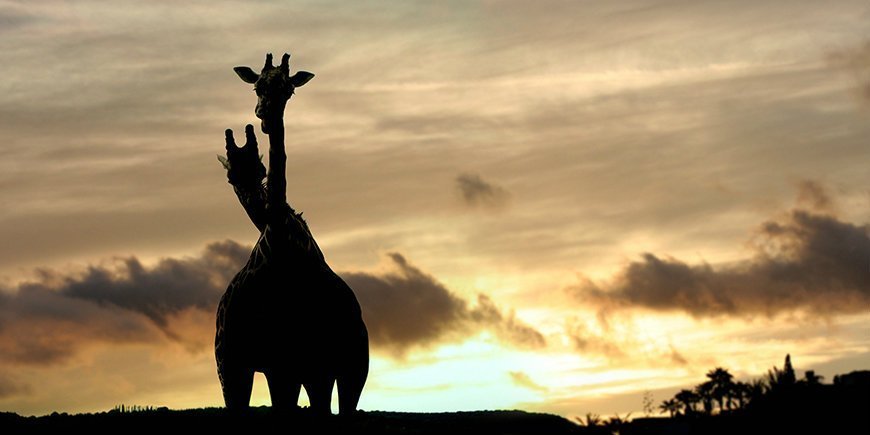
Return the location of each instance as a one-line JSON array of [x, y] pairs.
[[169, 287], [806, 261], [479, 193], [814, 195], [407, 307], [48, 319]]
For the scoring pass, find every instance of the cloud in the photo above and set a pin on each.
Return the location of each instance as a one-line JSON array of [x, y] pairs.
[[47, 319], [508, 328], [677, 358], [586, 341], [479, 193], [522, 379], [855, 61], [10, 387], [12, 18], [406, 307], [113, 90], [814, 195], [41, 326], [169, 287], [51, 317], [805, 261]]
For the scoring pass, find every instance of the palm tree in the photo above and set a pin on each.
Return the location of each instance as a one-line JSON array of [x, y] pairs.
[[722, 386], [591, 420], [742, 393], [773, 379], [688, 399], [614, 424], [756, 389], [705, 394], [671, 406]]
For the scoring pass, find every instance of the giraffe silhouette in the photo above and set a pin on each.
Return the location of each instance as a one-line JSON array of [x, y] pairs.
[[286, 313]]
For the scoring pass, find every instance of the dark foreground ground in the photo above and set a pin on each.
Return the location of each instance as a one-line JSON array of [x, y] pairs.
[[264, 421]]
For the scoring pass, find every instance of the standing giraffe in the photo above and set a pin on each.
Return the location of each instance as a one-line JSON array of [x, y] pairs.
[[285, 313]]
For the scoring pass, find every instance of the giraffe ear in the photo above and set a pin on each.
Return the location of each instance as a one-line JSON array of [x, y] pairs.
[[224, 161], [300, 78], [246, 74]]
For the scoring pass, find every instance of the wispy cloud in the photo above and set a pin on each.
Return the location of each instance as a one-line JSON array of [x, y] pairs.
[[476, 192], [855, 61], [524, 380], [11, 387]]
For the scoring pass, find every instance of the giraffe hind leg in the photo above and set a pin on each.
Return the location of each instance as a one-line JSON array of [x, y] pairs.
[[320, 395], [353, 378], [349, 391]]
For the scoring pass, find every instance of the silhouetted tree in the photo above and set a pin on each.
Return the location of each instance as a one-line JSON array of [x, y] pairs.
[[671, 406], [789, 377], [741, 392], [811, 378], [591, 420], [648, 403], [705, 394], [777, 379], [615, 423], [722, 386], [756, 389], [688, 399], [776, 394]]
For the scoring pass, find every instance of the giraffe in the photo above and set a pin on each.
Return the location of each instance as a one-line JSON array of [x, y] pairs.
[[286, 313]]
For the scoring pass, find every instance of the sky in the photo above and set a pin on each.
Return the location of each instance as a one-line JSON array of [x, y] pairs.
[[556, 206]]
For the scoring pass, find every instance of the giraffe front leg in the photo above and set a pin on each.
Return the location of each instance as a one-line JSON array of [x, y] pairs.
[[237, 384], [283, 389]]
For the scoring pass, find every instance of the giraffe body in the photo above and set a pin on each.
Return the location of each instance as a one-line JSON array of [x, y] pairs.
[[285, 313], [299, 324]]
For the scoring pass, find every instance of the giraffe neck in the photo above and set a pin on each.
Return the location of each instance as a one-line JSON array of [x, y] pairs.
[[276, 180]]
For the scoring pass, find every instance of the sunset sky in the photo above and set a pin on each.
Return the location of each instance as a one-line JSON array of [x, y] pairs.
[[541, 205]]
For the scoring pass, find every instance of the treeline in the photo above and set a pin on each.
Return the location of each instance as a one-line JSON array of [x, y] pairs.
[[120, 409], [720, 393]]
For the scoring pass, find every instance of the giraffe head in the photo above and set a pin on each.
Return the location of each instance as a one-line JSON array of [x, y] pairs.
[[274, 86], [244, 165]]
